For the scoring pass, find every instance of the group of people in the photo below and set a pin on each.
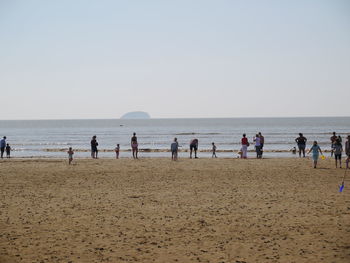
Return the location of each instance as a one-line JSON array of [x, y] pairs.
[[5, 147], [336, 149], [258, 139], [174, 147]]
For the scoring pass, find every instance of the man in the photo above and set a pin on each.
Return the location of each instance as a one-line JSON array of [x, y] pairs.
[[262, 141], [3, 146], [301, 141], [333, 140], [194, 147], [256, 139], [94, 144]]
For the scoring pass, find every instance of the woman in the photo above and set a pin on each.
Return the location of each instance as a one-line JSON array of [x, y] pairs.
[[245, 145], [134, 146]]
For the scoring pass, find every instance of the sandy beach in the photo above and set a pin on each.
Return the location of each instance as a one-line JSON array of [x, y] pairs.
[[156, 210]]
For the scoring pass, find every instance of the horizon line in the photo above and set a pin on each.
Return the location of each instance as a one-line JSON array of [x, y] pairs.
[[178, 118]]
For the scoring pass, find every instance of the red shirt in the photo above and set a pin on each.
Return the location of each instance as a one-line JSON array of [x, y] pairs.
[[244, 141]]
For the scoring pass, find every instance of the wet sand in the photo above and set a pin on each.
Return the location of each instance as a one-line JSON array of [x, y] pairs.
[[156, 210]]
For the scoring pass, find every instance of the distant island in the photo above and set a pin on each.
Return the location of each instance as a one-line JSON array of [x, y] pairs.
[[136, 115]]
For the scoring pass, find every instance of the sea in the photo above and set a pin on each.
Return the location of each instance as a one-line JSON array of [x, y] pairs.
[[52, 138]]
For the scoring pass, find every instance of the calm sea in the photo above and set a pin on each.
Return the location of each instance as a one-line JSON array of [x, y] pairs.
[[51, 138]]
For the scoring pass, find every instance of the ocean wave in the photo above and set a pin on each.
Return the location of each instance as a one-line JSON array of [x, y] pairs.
[[197, 133], [165, 150]]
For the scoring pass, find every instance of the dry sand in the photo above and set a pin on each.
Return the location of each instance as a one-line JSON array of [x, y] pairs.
[[156, 210]]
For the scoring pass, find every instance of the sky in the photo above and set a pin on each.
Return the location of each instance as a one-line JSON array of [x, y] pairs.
[[174, 59]]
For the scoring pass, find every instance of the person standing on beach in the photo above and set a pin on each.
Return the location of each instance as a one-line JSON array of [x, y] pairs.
[[347, 151], [174, 147], [338, 149], [134, 146], [333, 139], [70, 155], [262, 141], [245, 144], [2, 146], [194, 147], [301, 141], [117, 149], [94, 144], [315, 149], [213, 151], [8, 151], [256, 139]]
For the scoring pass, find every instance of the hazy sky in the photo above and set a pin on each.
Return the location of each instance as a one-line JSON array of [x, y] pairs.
[[101, 59]]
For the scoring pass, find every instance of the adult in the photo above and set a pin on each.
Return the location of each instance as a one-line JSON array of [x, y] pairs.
[[94, 144], [245, 144], [134, 146], [301, 142], [333, 139], [338, 149], [347, 151], [2, 146], [256, 139], [174, 147], [262, 141], [194, 147]]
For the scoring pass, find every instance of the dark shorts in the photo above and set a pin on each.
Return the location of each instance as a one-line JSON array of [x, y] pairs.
[[2, 149], [258, 149], [193, 147], [301, 146], [94, 149], [337, 156]]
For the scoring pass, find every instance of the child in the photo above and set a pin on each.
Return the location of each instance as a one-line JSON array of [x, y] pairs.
[[240, 153], [214, 151], [174, 148], [315, 149], [117, 151], [337, 149], [8, 150], [294, 150], [70, 155]]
